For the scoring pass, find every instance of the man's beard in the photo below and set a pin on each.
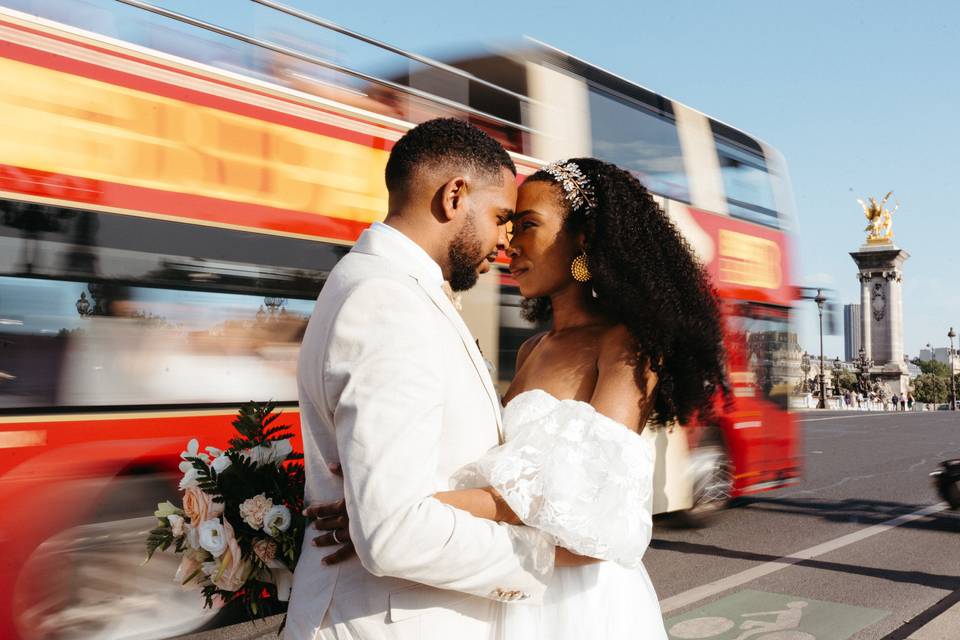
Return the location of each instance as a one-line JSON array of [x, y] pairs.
[[465, 254]]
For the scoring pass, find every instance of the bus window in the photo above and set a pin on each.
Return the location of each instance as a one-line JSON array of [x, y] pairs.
[[763, 347], [73, 344], [636, 138], [746, 178]]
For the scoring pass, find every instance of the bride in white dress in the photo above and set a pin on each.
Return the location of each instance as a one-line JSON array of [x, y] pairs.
[[634, 339]]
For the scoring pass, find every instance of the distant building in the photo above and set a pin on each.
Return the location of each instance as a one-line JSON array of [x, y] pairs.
[[852, 340], [941, 354], [912, 370]]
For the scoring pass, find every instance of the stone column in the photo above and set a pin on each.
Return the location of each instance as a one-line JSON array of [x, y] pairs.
[[881, 311], [865, 341]]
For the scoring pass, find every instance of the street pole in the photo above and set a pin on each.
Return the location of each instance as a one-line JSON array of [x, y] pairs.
[[820, 300], [953, 382]]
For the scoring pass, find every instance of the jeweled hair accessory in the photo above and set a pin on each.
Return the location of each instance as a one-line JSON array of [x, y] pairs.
[[576, 187]]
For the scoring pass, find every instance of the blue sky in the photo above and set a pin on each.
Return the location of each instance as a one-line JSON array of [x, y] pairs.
[[860, 96]]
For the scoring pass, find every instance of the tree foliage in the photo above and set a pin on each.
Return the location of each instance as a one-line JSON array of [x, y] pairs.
[[932, 388], [934, 367]]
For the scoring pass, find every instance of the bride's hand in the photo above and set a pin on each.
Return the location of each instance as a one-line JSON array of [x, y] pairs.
[[332, 521]]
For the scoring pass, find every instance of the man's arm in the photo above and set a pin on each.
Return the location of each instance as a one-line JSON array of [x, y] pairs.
[[385, 379]]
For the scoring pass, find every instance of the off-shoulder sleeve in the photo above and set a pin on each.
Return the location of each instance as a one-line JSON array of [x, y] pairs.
[[573, 473]]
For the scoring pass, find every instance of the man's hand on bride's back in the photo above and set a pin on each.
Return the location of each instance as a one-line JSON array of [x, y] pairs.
[[331, 520]]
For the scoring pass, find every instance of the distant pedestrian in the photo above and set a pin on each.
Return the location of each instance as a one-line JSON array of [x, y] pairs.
[[896, 402], [910, 401], [903, 403]]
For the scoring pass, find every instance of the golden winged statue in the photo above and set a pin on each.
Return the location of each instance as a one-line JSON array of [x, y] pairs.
[[880, 229]]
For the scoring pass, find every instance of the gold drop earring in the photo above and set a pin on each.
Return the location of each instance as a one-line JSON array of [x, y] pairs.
[[580, 269]]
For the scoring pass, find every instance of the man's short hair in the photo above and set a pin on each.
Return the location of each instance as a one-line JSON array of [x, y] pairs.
[[445, 141]]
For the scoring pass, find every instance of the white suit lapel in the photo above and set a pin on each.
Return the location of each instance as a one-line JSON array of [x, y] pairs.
[[469, 342]]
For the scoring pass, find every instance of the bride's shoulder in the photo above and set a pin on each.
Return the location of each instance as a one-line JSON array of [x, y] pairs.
[[617, 340], [527, 347]]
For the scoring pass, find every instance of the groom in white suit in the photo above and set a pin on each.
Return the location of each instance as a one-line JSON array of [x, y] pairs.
[[393, 388]]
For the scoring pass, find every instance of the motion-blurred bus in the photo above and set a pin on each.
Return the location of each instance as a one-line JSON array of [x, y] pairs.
[[173, 194]]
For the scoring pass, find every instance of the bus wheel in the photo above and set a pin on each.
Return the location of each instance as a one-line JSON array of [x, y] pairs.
[[712, 477], [90, 579]]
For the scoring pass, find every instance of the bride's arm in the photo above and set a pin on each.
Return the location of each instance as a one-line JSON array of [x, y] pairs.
[[488, 503], [485, 503]]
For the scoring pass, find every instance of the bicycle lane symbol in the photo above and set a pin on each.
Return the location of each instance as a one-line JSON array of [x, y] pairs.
[[755, 615], [782, 627]]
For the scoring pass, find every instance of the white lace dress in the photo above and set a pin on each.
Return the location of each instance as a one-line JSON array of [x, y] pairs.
[[587, 480]]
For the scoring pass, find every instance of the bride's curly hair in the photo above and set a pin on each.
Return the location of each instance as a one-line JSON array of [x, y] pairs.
[[647, 278]]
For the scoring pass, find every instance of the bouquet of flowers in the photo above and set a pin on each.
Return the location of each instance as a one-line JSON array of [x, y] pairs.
[[241, 524]]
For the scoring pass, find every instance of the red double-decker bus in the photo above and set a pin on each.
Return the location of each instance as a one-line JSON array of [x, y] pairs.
[[172, 197]]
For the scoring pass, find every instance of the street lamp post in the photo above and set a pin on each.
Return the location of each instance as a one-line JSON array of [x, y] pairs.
[[821, 300], [953, 381]]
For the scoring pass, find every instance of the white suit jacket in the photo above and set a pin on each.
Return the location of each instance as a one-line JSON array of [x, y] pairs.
[[393, 386]]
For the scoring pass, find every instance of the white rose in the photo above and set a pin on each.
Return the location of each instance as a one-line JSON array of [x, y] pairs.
[[278, 517], [176, 524], [212, 536], [221, 463]]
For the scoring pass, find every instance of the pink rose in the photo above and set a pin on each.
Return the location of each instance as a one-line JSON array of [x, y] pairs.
[[233, 570], [188, 565], [253, 509], [199, 505], [266, 550]]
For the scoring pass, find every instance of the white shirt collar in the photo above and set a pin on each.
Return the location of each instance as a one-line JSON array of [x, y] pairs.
[[419, 258]]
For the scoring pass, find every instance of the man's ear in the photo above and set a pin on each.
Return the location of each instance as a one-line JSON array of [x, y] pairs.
[[453, 197]]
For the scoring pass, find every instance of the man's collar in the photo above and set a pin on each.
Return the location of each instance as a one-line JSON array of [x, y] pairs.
[[391, 243]]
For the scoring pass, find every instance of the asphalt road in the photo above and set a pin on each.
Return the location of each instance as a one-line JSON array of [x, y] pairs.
[[861, 549]]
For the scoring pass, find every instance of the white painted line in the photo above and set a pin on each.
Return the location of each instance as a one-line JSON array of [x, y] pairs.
[[875, 414], [724, 584]]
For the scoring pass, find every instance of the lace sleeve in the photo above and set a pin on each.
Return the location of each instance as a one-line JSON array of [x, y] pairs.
[[573, 473]]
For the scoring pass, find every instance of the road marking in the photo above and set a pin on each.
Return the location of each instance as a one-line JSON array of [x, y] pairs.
[[865, 415], [724, 584], [757, 615]]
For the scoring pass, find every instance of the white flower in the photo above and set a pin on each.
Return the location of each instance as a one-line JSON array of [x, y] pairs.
[[257, 455], [214, 452], [253, 510], [212, 536], [176, 524], [192, 536], [189, 475], [278, 517], [221, 463], [193, 451], [270, 453], [280, 450]]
